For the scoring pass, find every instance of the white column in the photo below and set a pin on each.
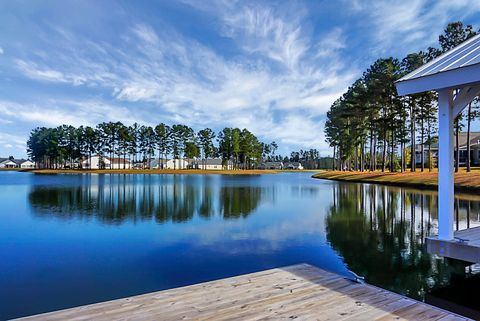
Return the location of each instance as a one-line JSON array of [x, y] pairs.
[[445, 165]]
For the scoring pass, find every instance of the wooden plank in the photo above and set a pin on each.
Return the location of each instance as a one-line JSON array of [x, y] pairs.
[[300, 292], [454, 250], [468, 251]]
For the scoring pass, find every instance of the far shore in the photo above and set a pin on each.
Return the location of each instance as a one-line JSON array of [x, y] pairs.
[[163, 171], [465, 182]]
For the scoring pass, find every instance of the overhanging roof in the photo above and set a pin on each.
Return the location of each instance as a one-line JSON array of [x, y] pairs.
[[456, 68]]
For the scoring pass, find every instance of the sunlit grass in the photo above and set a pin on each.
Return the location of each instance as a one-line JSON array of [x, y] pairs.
[[168, 171], [153, 171], [426, 179]]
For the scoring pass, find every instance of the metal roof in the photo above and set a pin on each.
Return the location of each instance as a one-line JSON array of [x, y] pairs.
[[455, 68]]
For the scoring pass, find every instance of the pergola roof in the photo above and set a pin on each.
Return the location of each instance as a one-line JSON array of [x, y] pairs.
[[455, 68]]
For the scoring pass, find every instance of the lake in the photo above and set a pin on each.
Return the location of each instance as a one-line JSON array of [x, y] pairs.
[[69, 240]]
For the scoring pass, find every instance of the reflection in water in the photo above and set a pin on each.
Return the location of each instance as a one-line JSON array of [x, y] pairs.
[[379, 231], [123, 198]]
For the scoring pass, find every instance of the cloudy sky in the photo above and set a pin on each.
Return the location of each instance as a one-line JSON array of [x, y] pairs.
[[273, 67]]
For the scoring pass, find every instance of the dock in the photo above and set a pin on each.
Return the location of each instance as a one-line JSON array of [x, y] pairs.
[[465, 246], [302, 292]]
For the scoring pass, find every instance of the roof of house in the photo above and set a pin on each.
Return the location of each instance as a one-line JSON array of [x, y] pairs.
[[456, 67], [212, 161], [117, 160], [114, 160], [20, 161], [293, 164], [16, 161], [273, 163], [6, 160], [154, 162]]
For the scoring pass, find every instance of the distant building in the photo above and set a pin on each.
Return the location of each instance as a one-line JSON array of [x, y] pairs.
[[215, 164], [7, 163], [103, 162], [271, 165], [25, 163], [462, 143], [16, 163], [293, 165], [170, 164]]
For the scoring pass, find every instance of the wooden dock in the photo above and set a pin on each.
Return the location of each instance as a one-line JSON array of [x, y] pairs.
[[465, 246], [300, 292]]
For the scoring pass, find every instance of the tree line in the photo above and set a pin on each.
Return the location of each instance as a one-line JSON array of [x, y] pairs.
[[66, 145], [370, 127]]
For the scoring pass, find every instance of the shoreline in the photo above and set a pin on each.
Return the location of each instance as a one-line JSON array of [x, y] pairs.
[[164, 171], [464, 182]]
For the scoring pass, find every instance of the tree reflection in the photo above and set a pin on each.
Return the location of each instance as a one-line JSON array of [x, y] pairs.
[[379, 231], [238, 202], [114, 199]]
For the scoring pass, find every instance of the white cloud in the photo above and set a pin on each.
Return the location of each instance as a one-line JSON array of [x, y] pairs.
[[259, 29], [282, 76], [76, 113], [11, 143], [413, 24], [1, 51], [146, 33], [31, 70]]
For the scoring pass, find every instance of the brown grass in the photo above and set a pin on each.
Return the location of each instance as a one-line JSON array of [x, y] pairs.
[[165, 171], [463, 180]]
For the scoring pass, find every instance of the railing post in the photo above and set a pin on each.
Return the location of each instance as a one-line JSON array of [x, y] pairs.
[[445, 165]]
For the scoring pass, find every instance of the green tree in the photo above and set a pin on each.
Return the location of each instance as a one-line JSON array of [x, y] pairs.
[[162, 135], [205, 138]]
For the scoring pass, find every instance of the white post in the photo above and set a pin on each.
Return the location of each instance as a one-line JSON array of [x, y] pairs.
[[445, 165]]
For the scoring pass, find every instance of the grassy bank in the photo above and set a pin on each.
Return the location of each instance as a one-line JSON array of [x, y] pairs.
[[151, 171], [164, 171], [428, 180]]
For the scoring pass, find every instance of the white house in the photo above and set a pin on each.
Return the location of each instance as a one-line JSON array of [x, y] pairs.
[[27, 164], [271, 165], [170, 164], [103, 162], [215, 164], [7, 163], [293, 165], [16, 163]]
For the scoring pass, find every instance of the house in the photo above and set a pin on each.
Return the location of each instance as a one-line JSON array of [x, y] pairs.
[[426, 153], [271, 165], [170, 163], [27, 164], [7, 163], [103, 162], [293, 165], [24, 163], [215, 164], [462, 143], [16, 163]]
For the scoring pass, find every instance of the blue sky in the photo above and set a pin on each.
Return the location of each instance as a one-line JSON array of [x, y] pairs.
[[274, 67]]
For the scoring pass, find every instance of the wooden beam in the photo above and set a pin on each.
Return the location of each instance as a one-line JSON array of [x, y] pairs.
[[464, 97], [445, 164]]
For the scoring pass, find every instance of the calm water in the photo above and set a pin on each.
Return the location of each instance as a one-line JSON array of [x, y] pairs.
[[68, 240]]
